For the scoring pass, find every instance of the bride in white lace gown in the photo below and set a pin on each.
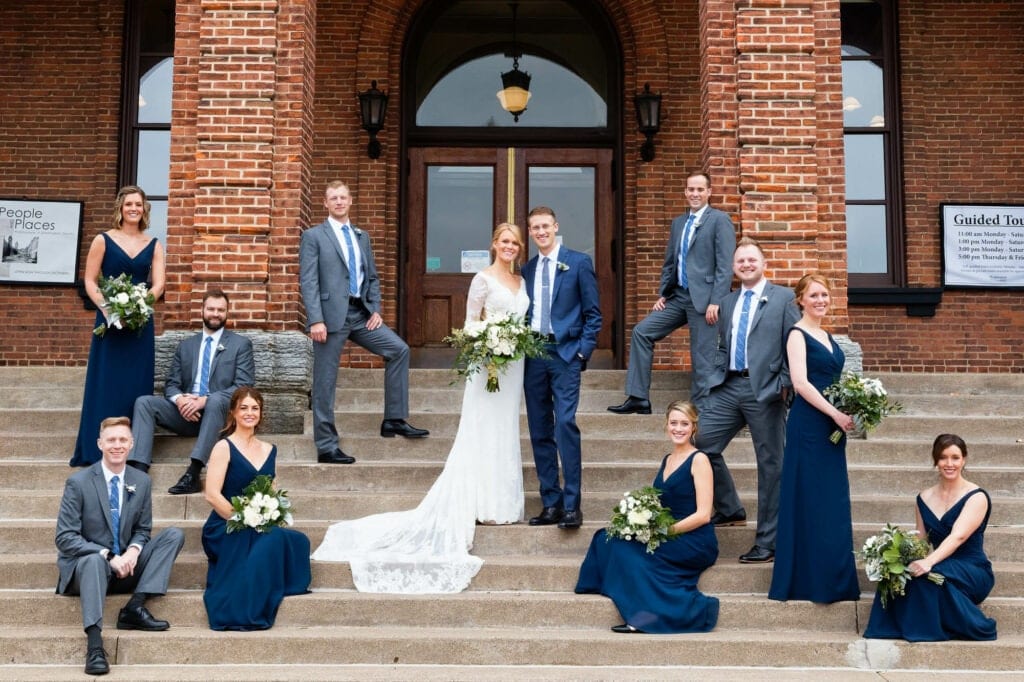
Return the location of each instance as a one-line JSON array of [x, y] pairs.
[[426, 549]]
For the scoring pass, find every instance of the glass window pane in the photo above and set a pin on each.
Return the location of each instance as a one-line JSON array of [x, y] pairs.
[[570, 191], [158, 220], [157, 28], [155, 91], [460, 214], [866, 249], [863, 94], [865, 167], [861, 27], [467, 96], [154, 161]]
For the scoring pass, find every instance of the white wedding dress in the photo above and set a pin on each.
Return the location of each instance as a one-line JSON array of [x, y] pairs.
[[426, 550]]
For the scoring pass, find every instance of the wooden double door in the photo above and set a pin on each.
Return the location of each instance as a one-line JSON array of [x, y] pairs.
[[455, 198]]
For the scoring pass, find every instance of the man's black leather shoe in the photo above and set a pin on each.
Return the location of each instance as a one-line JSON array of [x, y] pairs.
[[336, 457], [139, 618], [549, 516], [625, 628], [734, 520], [758, 555], [96, 662], [571, 519], [141, 466], [186, 485], [632, 405], [389, 428]]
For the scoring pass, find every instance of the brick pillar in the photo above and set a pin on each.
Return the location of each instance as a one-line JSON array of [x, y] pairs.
[[240, 167]]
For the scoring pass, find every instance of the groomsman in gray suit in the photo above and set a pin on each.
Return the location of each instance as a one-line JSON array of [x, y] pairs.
[[694, 279], [749, 388], [341, 292], [205, 371], [103, 542]]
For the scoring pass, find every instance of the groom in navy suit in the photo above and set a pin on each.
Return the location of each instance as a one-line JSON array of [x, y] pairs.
[[564, 307]]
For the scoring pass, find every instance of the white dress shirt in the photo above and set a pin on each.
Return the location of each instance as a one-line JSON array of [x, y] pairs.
[[337, 226], [755, 305], [538, 286], [199, 358]]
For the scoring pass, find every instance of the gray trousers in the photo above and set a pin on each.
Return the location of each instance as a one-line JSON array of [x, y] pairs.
[[152, 409], [678, 311], [93, 577], [381, 341], [730, 407]]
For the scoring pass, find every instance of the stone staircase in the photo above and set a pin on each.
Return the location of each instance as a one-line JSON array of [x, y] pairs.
[[520, 618]]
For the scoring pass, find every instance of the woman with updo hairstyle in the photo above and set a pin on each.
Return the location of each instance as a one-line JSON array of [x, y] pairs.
[[814, 558], [952, 515], [249, 572], [657, 593]]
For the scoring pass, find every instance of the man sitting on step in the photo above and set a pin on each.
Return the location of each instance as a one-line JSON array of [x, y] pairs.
[[103, 542], [206, 370]]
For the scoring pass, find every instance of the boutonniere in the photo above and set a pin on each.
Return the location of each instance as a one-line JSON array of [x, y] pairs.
[[129, 490], [220, 347], [762, 300], [562, 267]]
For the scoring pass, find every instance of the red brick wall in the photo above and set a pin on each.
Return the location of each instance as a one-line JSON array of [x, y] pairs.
[[963, 141], [60, 84]]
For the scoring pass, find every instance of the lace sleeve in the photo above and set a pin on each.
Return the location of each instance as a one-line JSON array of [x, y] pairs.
[[476, 299]]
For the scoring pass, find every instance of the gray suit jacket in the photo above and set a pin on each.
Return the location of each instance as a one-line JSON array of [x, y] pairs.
[[766, 343], [323, 276], [708, 262], [84, 524], [232, 366]]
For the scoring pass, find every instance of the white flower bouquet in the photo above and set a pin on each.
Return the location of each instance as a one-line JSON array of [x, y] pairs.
[[864, 399], [492, 344], [886, 557], [128, 306], [260, 507], [640, 517]]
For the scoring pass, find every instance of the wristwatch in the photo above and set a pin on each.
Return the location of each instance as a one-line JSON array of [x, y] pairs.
[[110, 555]]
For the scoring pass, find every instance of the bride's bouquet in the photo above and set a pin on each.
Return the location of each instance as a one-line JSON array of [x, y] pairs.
[[492, 344], [639, 516], [886, 557], [864, 399], [128, 306], [260, 507]]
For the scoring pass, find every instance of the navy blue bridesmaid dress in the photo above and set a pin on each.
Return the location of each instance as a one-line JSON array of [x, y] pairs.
[[936, 613], [657, 593], [814, 558], [120, 362], [250, 573]]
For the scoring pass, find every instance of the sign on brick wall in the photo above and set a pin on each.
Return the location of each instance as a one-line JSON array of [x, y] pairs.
[[982, 245], [40, 241]]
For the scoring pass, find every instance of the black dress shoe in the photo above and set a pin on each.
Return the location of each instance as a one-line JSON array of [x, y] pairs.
[[336, 457], [758, 555], [632, 405], [571, 519], [389, 428], [96, 662], [141, 466], [549, 516], [186, 485], [734, 520], [625, 628], [139, 618]]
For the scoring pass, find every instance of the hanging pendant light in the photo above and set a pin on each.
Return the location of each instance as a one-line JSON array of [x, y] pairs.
[[515, 84]]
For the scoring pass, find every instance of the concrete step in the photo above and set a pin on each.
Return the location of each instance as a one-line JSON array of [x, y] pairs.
[[540, 646]]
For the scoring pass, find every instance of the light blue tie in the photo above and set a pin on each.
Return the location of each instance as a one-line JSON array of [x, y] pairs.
[[545, 297], [353, 263], [684, 248], [115, 512], [204, 370], [741, 332]]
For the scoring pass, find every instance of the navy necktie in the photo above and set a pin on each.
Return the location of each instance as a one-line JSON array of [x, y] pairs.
[[115, 512], [545, 297], [741, 331], [353, 263], [204, 370], [684, 248]]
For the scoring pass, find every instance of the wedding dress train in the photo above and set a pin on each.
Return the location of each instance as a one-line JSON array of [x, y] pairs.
[[426, 550]]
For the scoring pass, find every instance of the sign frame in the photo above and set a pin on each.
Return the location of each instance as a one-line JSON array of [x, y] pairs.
[[982, 246], [54, 232]]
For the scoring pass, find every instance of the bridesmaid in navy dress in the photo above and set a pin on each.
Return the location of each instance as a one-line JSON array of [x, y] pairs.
[[250, 573], [657, 593], [120, 362], [952, 514], [814, 558]]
